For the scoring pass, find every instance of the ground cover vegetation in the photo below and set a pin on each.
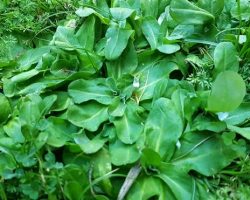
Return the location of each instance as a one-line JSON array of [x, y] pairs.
[[125, 99]]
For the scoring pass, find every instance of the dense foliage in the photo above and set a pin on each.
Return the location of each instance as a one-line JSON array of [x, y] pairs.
[[125, 99]]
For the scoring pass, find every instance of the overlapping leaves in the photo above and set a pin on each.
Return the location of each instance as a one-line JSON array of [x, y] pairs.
[[109, 91]]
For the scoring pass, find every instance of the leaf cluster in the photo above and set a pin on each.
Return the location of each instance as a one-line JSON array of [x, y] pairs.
[[131, 100]]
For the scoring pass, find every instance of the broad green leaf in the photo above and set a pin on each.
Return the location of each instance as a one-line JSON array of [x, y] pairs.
[[150, 7], [150, 158], [90, 62], [180, 183], [5, 110], [163, 128], [181, 31], [243, 131], [202, 123], [30, 110], [191, 106], [13, 130], [123, 154], [31, 57], [239, 115], [160, 89], [147, 187], [244, 13], [34, 88], [151, 30], [65, 38], [179, 97], [62, 102], [120, 14], [85, 90], [59, 131], [24, 76], [85, 12], [88, 115], [117, 40], [185, 12], [103, 15], [64, 65], [225, 58], [168, 48], [6, 163], [102, 165], [126, 64], [72, 189], [228, 91], [215, 7], [86, 33], [204, 153], [129, 127], [151, 75], [117, 108], [87, 145]]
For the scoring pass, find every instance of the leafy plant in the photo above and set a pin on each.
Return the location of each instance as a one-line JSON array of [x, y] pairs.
[[129, 100]]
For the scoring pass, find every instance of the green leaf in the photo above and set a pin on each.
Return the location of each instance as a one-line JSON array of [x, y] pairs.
[[88, 116], [24, 76], [31, 57], [5, 108], [120, 14], [147, 187], [101, 166], [126, 64], [65, 38], [242, 12], [129, 127], [59, 131], [169, 48], [163, 128], [89, 146], [228, 91], [13, 130], [117, 40], [117, 108], [85, 12], [86, 33], [215, 7], [123, 154], [150, 75], [202, 123], [243, 131], [151, 30], [181, 31], [85, 90], [204, 153], [150, 158], [150, 7], [225, 58], [102, 14], [62, 102], [30, 104], [72, 189], [239, 115], [185, 12], [160, 89], [180, 183], [6, 162]]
